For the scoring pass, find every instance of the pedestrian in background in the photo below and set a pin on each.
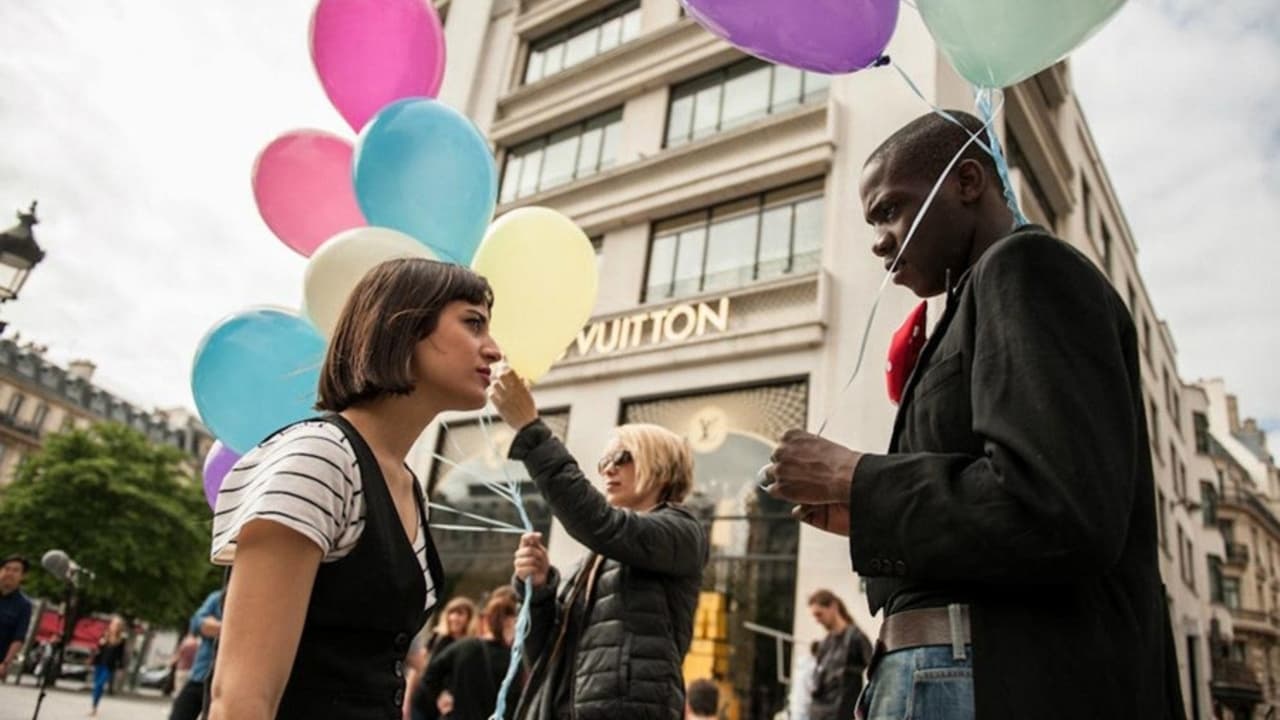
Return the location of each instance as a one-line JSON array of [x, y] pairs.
[[842, 658], [205, 624], [109, 659], [15, 610]]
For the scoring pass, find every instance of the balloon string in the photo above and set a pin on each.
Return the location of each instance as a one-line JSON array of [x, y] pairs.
[[523, 620], [477, 529], [473, 516], [982, 98], [497, 488]]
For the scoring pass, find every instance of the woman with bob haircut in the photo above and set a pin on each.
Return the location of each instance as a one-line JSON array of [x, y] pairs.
[[611, 644], [324, 526]]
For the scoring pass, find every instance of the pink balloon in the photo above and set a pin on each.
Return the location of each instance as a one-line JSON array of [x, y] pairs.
[[370, 53], [302, 183], [217, 464]]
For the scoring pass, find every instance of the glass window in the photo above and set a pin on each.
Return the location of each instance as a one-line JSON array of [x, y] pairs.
[[511, 177], [787, 82], [731, 244], [706, 111], [746, 95], [15, 405], [751, 574], [531, 171], [1231, 592], [610, 34], [662, 256], [776, 232], [737, 94], [808, 235], [609, 148], [589, 151], [559, 160], [631, 25], [816, 86], [583, 40], [680, 120], [689, 254], [561, 157], [734, 243], [533, 71], [1215, 579], [553, 60]]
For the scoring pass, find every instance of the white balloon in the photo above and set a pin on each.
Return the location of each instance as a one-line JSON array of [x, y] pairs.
[[335, 269]]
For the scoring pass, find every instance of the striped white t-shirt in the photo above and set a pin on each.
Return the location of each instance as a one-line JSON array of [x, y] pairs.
[[306, 478]]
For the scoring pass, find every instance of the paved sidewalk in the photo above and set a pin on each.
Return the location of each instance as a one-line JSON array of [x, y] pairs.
[[70, 701]]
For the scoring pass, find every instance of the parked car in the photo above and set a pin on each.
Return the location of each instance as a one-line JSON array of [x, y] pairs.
[[77, 662], [157, 677]]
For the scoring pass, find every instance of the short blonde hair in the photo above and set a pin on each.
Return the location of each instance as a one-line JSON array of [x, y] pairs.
[[663, 459]]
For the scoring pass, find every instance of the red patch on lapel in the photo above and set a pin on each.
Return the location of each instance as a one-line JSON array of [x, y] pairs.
[[904, 351]]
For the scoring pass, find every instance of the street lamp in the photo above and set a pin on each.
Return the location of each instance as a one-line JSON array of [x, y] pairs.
[[18, 254]]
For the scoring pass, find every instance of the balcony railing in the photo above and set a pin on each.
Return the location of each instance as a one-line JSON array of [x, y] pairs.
[[1237, 554]]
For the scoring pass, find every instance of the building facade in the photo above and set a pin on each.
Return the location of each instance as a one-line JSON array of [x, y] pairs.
[[38, 398], [1238, 496], [736, 278]]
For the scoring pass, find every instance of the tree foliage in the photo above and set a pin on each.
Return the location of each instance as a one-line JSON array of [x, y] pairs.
[[119, 505]]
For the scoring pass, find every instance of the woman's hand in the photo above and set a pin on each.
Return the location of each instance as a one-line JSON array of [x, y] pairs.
[[531, 559], [511, 396]]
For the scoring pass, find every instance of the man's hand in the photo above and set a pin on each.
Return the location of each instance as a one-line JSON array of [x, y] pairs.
[[808, 470], [511, 396], [833, 518], [531, 559]]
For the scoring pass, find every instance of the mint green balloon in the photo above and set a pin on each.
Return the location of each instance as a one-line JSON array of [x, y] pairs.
[[996, 43]]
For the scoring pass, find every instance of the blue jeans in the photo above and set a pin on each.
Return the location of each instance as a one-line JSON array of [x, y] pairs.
[[101, 679], [923, 683]]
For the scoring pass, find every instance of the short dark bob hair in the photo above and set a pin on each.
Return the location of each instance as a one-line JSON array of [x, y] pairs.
[[393, 307]]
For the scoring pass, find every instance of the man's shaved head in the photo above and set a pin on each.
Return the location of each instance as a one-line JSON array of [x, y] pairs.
[[923, 147]]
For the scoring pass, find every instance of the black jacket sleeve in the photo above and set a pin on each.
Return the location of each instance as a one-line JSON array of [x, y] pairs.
[[670, 541], [1052, 403], [544, 616]]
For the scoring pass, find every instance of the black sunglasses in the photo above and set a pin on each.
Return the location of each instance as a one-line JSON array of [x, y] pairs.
[[618, 459]]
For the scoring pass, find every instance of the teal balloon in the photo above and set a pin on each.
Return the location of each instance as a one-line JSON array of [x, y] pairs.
[[256, 372], [423, 168], [996, 43]]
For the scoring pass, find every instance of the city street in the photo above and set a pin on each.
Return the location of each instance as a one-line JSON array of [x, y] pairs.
[[70, 701]]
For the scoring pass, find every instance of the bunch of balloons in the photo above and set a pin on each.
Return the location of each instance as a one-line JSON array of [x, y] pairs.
[[419, 181], [991, 43]]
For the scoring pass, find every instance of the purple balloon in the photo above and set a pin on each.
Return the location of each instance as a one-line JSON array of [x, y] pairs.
[[217, 464], [827, 36]]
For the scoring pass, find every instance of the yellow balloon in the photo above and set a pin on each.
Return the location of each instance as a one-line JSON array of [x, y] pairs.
[[335, 268], [543, 272]]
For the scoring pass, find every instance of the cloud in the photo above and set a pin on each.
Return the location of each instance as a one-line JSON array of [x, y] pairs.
[[1184, 100], [136, 125]]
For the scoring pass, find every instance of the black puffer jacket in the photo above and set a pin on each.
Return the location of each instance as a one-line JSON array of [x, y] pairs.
[[628, 636]]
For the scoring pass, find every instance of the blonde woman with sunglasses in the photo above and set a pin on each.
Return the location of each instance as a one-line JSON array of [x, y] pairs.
[[611, 643]]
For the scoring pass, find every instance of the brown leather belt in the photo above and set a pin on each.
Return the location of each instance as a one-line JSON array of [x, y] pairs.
[[926, 626]]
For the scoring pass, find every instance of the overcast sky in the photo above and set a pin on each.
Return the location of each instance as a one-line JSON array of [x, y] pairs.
[[135, 123]]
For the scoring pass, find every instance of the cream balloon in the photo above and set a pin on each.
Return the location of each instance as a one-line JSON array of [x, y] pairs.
[[341, 261], [543, 272]]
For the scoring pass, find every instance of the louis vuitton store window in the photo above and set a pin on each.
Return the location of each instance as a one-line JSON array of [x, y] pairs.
[[751, 576], [477, 562]]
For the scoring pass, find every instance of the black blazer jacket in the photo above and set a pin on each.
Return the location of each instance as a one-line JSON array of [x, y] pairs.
[[1018, 479]]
